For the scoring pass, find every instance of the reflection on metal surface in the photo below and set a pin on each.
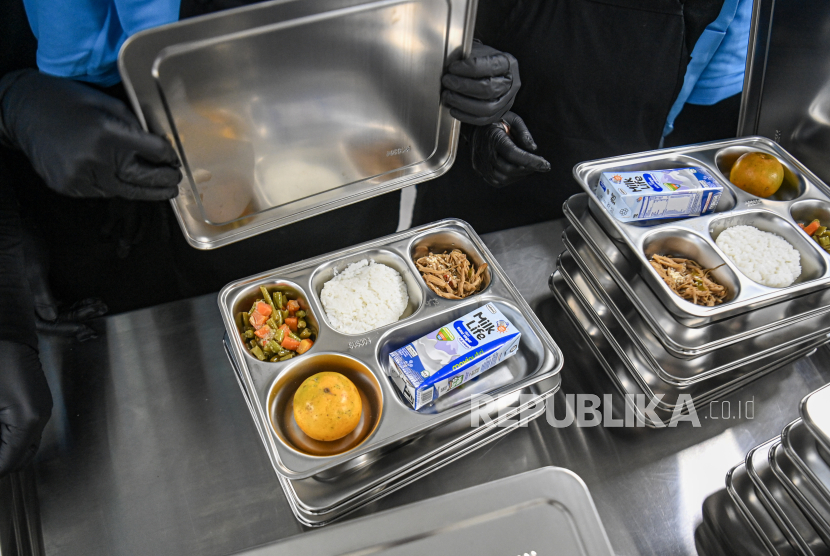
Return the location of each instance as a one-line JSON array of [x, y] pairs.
[[310, 107]]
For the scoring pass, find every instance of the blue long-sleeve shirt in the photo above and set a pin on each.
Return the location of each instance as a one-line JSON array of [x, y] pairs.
[[80, 39]]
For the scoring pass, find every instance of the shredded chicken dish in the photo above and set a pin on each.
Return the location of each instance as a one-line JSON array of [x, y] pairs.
[[451, 275], [689, 280]]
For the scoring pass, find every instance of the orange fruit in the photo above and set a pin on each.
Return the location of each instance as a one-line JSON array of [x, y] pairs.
[[327, 406], [758, 174]]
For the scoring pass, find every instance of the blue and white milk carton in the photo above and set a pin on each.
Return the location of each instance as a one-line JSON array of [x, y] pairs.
[[454, 354], [649, 195]]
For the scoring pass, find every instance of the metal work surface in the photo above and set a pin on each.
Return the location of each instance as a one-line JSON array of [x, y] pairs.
[[151, 448]]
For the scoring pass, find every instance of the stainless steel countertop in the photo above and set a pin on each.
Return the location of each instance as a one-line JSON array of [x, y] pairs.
[[151, 449]]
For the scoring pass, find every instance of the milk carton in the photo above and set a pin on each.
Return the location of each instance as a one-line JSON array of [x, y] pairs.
[[635, 196], [454, 354]]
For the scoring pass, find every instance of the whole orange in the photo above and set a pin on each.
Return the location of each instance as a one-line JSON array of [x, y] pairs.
[[327, 406], [757, 173]]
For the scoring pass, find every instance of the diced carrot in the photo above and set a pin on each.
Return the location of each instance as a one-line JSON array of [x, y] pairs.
[[292, 323], [293, 306], [263, 309], [263, 331], [290, 343], [257, 319], [800, 225], [812, 227], [304, 346]]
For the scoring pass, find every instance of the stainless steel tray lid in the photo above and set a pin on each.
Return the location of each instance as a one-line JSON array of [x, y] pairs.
[[284, 110], [545, 511]]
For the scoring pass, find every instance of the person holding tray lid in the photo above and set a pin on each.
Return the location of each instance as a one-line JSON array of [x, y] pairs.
[[81, 182], [599, 78]]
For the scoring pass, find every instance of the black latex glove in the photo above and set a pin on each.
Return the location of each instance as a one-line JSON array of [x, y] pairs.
[[480, 89], [500, 152], [82, 142], [25, 405]]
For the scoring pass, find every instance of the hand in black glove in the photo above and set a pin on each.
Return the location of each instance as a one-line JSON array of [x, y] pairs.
[[480, 89], [499, 159], [25, 405], [82, 142]]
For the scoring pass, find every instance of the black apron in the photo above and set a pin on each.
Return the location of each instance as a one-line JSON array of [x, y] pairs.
[[598, 80]]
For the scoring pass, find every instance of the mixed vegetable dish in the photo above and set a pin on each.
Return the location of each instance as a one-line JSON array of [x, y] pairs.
[[276, 328], [819, 233]]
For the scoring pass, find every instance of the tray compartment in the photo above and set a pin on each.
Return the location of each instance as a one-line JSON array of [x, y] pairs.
[[281, 396], [414, 285], [794, 184], [530, 356], [812, 263], [245, 298], [678, 242], [447, 240], [727, 200]]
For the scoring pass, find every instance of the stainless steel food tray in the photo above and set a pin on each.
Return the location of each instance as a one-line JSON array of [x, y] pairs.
[[626, 376], [728, 527], [318, 501], [742, 491], [802, 450], [537, 359], [284, 110], [815, 411], [679, 371], [811, 502], [695, 237], [680, 339], [641, 371], [542, 511], [779, 504]]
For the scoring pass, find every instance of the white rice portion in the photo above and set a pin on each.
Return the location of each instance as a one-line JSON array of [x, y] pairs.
[[365, 296], [766, 258]]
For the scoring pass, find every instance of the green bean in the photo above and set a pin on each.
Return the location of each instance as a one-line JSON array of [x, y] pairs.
[[249, 334], [284, 314], [281, 301], [274, 346], [258, 353], [300, 314], [272, 323], [287, 357], [252, 344], [280, 336], [274, 359], [301, 324], [246, 319], [267, 297], [292, 335], [279, 319], [306, 333], [283, 352]]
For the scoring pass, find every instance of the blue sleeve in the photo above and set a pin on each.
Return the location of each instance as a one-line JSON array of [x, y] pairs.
[[81, 39]]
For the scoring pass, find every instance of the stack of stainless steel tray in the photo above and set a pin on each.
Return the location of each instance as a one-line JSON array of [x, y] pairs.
[[405, 444], [777, 501], [650, 341], [544, 511]]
